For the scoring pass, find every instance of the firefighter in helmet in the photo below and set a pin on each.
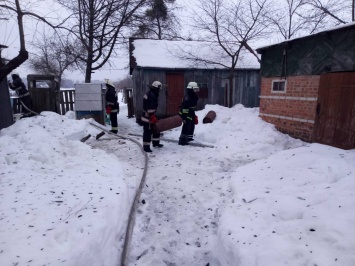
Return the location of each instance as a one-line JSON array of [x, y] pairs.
[[23, 95], [112, 106], [150, 105], [187, 113]]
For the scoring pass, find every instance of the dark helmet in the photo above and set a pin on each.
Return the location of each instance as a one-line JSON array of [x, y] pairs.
[[15, 74]]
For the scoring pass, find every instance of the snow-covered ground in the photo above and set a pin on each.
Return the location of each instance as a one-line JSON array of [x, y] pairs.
[[258, 197]]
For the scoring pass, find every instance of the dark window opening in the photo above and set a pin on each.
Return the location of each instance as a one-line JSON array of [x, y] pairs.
[[279, 85]]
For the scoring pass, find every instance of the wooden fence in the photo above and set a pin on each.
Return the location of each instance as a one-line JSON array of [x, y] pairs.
[[64, 102]]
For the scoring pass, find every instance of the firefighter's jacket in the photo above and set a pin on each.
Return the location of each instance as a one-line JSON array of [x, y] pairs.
[[188, 105], [150, 104], [111, 99]]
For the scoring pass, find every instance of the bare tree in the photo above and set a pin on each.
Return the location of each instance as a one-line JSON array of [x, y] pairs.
[[298, 17], [13, 8], [158, 21], [233, 26], [338, 11], [56, 54], [99, 26], [288, 19]]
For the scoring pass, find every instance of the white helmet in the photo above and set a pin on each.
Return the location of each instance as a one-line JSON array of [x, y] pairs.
[[193, 86], [157, 84], [109, 82]]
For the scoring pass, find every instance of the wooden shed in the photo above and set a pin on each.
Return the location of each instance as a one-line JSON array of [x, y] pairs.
[[308, 86], [175, 64]]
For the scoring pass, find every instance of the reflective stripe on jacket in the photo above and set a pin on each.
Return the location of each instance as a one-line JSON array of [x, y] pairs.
[[188, 105]]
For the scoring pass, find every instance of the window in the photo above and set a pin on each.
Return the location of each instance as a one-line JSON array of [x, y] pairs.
[[279, 86]]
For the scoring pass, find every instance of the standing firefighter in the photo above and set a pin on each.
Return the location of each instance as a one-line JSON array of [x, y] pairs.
[[23, 95], [187, 113], [112, 107], [150, 105]]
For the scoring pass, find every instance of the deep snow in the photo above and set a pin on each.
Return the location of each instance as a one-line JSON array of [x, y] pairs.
[[258, 197]]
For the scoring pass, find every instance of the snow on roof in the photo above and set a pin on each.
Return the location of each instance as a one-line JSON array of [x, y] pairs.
[[187, 54], [306, 36]]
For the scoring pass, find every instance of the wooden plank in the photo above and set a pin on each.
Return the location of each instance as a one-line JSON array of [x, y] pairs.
[[334, 124], [344, 132], [58, 99], [71, 100]]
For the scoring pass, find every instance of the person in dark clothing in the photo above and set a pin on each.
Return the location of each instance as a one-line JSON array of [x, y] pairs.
[[150, 105], [23, 95], [112, 106], [187, 113]]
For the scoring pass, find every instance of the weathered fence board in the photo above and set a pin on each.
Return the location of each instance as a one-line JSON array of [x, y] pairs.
[[64, 102]]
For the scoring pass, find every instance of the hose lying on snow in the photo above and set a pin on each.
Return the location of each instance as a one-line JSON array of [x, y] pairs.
[[134, 207]]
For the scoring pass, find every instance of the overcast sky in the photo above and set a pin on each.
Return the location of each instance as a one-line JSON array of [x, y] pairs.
[[118, 69]]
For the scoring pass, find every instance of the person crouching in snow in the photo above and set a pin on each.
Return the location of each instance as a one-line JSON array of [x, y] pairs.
[[112, 106], [150, 106], [187, 113]]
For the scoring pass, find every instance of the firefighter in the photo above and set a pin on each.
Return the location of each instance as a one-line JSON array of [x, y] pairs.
[[150, 105], [112, 106], [23, 95], [187, 113]]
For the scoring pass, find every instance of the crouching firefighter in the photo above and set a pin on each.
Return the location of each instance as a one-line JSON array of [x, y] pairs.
[[150, 105], [112, 106], [187, 113]]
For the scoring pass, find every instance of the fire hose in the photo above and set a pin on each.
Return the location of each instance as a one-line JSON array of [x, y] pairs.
[[134, 207]]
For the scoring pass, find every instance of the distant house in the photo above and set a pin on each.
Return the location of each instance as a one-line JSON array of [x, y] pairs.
[[174, 64], [308, 86]]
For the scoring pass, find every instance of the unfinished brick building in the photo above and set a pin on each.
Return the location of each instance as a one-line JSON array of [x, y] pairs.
[[308, 87]]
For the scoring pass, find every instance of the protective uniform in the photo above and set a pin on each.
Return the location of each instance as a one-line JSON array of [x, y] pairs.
[[150, 105], [187, 113], [112, 106], [24, 96]]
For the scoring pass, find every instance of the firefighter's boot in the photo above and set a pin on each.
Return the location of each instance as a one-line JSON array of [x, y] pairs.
[[146, 148], [183, 140], [156, 144]]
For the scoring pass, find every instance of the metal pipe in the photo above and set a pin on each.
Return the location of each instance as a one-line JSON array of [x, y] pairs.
[[210, 116], [167, 123]]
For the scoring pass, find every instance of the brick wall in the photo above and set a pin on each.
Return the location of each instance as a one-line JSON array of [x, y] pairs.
[[293, 111]]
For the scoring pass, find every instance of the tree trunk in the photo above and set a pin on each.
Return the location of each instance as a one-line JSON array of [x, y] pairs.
[[89, 61], [88, 69], [13, 64], [23, 54]]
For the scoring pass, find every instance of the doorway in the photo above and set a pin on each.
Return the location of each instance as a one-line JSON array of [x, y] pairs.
[[174, 92], [335, 115]]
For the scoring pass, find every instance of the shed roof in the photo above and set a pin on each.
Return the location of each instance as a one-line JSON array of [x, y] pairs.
[[184, 55], [351, 24]]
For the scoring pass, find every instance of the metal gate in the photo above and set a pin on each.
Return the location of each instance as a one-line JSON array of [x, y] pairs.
[[335, 115], [175, 92]]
